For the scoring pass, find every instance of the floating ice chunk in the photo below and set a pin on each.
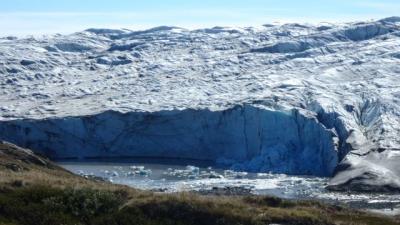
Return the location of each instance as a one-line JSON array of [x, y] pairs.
[[136, 168], [115, 174], [130, 174], [192, 177], [234, 174], [139, 170], [193, 169], [145, 172], [214, 175]]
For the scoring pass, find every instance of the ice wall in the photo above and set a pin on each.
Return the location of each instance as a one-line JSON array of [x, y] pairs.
[[245, 137]]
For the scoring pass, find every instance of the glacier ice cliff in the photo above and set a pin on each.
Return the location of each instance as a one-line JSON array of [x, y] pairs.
[[319, 99], [246, 137]]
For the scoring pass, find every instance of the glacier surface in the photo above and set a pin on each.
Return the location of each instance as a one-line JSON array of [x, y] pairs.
[[293, 98]]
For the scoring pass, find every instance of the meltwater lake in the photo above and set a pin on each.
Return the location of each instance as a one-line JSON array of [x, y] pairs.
[[178, 176]]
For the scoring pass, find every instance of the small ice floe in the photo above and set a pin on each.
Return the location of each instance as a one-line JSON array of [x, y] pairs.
[[190, 172], [211, 175], [192, 177], [234, 174], [136, 168], [114, 174], [265, 175], [193, 172], [80, 172], [193, 169], [139, 170], [130, 174], [145, 172], [215, 176]]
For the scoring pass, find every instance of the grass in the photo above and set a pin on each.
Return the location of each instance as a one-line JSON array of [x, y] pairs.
[[33, 205], [34, 191]]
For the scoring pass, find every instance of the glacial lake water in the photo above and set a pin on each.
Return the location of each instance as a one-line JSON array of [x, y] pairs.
[[179, 177]]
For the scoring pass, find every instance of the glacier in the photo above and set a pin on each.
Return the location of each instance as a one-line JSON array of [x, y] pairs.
[[246, 137], [305, 99]]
